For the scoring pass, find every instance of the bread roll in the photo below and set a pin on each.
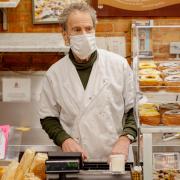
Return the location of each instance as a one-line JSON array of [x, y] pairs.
[[10, 171], [24, 164], [38, 165]]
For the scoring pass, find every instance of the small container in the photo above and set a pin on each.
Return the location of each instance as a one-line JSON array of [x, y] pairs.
[[136, 173], [117, 164]]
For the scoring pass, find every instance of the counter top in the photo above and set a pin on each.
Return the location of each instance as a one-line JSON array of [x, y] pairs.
[[32, 42], [9, 3], [94, 175]]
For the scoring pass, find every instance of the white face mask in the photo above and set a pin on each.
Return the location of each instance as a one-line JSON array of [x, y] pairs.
[[83, 45]]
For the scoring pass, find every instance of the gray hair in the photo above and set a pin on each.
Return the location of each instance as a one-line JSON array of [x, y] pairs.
[[83, 7]]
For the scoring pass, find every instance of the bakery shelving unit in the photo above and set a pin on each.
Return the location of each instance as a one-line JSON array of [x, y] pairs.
[[160, 96]]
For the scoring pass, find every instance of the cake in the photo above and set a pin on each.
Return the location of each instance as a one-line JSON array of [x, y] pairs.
[[150, 82], [171, 117], [168, 106], [149, 72], [149, 116], [172, 83], [147, 65], [169, 65], [169, 72]]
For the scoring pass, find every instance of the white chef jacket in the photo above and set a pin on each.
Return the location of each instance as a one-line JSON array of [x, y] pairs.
[[92, 116]]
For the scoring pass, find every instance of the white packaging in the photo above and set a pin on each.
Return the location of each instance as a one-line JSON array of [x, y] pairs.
[[2, 145], [117, 163]]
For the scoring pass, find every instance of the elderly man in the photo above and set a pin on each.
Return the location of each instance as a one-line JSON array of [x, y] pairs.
[[87, 96]]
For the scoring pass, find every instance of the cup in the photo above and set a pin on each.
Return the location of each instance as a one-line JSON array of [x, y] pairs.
[[117, 163]]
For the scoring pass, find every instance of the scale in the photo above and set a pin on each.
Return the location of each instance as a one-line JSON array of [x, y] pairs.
[[59, 164]]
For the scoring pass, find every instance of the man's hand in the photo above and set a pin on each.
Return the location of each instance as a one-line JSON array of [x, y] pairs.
[[70, 145], [121, 146]]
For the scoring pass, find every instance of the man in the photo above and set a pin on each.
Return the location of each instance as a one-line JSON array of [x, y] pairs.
[[87, 97]]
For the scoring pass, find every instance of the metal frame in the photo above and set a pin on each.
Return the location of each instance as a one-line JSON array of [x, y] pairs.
[[147, 131]]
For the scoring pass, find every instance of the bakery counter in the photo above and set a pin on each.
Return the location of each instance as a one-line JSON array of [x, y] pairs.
[[93, 175]]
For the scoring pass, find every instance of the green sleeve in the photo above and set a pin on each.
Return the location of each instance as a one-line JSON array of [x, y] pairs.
[[130, 126], [54, 129]]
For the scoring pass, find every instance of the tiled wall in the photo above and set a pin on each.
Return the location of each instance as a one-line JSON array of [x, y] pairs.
[[20, 20]]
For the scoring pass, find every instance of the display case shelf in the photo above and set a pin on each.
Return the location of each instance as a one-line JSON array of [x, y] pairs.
[[159, 129]]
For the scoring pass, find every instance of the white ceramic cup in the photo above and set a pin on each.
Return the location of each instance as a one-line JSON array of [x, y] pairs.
[[117, 163]]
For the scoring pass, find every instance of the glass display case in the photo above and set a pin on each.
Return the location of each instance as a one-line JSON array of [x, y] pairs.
[[156, 67]]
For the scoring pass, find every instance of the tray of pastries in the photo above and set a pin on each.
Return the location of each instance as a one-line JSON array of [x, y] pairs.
[[166, 166], [156, 76], [162, 113]]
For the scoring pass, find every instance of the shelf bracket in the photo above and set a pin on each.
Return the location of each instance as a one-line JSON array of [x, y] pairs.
[[4, 13]]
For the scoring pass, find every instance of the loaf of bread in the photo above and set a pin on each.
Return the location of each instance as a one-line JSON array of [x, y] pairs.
[[24, 164], [31, 176], [10, 171], [2, 170], [38, 165]]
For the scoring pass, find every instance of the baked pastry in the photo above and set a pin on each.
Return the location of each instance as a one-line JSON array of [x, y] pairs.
[[150, 82], [149, 72], [172, 83], [148, 106], [171, 117], [2, 170], [38, 165], [147, 65], [10, 171], [169, 65], [24, 164], [166, 175], [168, 106], [169, 72], [149, 116]]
